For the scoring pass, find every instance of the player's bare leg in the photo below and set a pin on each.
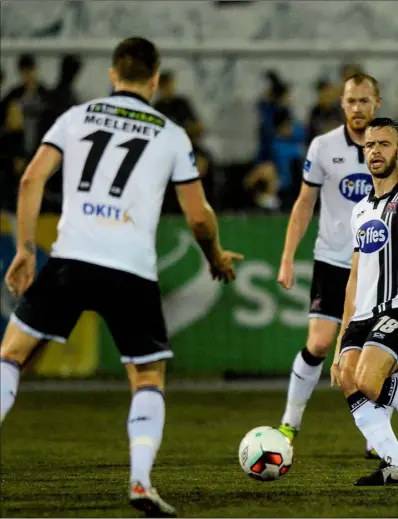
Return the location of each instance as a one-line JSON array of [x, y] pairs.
[[16, 348], [362, 377], [388, 409], [348, 365], [306, 371], [145, 430], [374, 367], [364, 411]]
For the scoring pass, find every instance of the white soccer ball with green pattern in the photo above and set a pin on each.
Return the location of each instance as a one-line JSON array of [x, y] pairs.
[[265, 454]]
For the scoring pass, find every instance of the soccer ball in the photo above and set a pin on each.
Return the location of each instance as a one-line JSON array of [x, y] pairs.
[[265, 454]]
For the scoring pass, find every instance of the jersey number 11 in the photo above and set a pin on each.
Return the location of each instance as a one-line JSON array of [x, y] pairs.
[[100, 141]]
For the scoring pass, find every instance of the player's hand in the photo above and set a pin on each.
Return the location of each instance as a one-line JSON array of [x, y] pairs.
[[286, 274], [223, 268], [21, 273]]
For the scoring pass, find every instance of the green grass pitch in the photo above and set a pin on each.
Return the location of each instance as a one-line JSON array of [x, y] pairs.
[[65, 455]]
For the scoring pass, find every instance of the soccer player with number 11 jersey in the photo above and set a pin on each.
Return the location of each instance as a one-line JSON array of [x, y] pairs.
[[118, 155]]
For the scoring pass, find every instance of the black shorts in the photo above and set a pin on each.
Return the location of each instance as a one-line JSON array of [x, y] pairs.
[[130, 306], [328, 291], [381, 331]]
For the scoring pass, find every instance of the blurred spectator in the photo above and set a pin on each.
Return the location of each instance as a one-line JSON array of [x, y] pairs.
[[12, 162], [326, 114], [275, 97], [263, 185], [63, 96], [32, 96], [2, 77], [262, 182], [288, 152], [282, 141], [180, 110], [176, 107], [277, 182], [2, 104], [60, 99], [207, 169]]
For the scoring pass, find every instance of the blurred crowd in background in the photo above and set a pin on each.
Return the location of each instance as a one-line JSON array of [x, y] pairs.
[[268, 183]]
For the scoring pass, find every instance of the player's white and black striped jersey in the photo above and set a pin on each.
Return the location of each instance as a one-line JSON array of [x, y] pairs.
[[119, 154], [337, 165], [375, 228]]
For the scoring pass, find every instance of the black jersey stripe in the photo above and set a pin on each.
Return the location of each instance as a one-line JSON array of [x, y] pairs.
[[387, 287], [387, 295], [391, 255], [382, 284], [311, 184], [394, 246]]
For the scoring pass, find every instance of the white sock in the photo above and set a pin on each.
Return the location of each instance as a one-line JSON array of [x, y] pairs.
[[374, 424], [389, 392], [389, 411], [303, 380], [145, 430], [9, 380]]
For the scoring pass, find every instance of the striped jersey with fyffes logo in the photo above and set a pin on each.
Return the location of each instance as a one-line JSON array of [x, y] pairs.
[[375, 229], [337, 166]]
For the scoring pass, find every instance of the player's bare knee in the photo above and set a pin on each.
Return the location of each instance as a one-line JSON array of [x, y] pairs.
[[318, 346], [149, 378], [17, 345], [321, 336], [347, 378], [150, 374], [369, 384], [348, 365]]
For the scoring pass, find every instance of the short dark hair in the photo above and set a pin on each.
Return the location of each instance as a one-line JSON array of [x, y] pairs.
[[360, 77], [165, 77], [383, 122], [26, 62], [136, 60]]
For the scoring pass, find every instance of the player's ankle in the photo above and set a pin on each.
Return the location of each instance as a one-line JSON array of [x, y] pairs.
[[136, 485]]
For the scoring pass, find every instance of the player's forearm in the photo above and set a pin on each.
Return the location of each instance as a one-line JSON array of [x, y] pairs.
[[298, 224], [205, 231], [29, 203]]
